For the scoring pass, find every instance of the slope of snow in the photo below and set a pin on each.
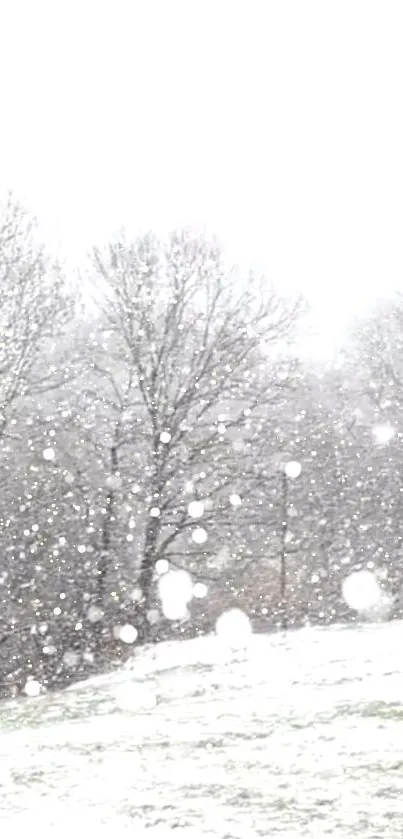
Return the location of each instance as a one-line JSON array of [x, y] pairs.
[[290, 736]]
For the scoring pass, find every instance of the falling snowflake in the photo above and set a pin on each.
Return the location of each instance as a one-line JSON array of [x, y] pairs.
[[196, 509], [199, 536], [165, 437], [88, 656], [32, 688], [114, 481], [153, 616], [235, 500], [155, 512], [222, 558], [49, 649], [199, 590], [234, 627], [126, 633], [162, 566], [71, 658], [292, 469], [49, 454], [383, 434], [361, 591], [94, 614], [175, 591], [175, 610], [136, 595]]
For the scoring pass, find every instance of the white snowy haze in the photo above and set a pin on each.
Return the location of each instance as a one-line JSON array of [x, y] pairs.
[[277, 126]]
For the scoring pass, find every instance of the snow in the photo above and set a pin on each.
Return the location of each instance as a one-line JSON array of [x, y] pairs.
[[32, 688], [295, 736], [222, 558], [196, 509], [155, 512], [234, 627], [126, 633], [199, 590], [175, 590], [175, 610], [136, 594], [114, 482], [383, 433], [71, 658], [49, 454], [162, 566], [361, 590], [292, 469], [199, 535], [133, 696], [95, 614], [165, 437], [235, 500]]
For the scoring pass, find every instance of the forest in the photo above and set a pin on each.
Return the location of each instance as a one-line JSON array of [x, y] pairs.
[[160, 428]]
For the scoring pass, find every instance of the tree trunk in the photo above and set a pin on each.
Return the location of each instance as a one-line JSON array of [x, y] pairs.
[[103, 564], [283, 552], [146, 577]]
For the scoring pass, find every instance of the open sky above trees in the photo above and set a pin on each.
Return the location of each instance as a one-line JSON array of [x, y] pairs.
[[275, 125]]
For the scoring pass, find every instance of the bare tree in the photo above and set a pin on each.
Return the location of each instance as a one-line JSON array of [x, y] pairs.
[[191, 335], [35, 351], [34, 310]]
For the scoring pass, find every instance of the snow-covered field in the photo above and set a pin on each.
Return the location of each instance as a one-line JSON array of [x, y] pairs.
[[294, 736]]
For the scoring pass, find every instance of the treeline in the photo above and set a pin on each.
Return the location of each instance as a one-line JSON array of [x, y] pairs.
[[152, 429]]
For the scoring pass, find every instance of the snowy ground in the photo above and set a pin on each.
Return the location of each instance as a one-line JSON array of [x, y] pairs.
[[297, 736]]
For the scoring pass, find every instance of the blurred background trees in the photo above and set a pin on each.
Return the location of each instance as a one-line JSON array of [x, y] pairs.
[[154, 431]]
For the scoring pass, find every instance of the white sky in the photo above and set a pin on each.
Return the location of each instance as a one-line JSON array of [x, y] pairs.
[[277, 124]]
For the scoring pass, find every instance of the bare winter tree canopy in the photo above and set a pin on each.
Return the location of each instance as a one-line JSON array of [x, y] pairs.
[[172, 439], [34, 309], [193, 337]]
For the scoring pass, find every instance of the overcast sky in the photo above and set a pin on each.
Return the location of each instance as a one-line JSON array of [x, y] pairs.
[[278, 125]]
